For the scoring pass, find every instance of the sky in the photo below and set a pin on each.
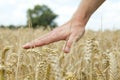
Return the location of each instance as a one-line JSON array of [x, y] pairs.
[[107, 15]]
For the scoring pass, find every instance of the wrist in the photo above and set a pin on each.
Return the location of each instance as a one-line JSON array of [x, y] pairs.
[[81, 18]]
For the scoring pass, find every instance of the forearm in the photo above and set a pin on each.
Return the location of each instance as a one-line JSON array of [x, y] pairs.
[[86, 9]]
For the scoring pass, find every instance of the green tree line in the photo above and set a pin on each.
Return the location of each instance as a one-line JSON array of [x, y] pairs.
[[39, 16]]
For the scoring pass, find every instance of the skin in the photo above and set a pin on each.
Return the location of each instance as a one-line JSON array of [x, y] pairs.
[[72, 30]]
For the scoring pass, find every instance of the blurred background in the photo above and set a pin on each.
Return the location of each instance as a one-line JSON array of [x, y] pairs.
[[16, 13]]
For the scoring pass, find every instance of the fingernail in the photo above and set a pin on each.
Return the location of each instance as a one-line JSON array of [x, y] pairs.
[[67, 49], [24, 46]]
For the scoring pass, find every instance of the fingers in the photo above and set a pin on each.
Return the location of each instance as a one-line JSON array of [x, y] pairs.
[[69, 43], [72, 38], [36, 42], [44, 40]]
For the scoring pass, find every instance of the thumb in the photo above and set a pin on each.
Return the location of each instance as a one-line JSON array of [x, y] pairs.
[[68, 44]]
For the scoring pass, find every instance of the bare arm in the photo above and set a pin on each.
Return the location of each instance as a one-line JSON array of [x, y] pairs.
[[86, 9], [70, 31]]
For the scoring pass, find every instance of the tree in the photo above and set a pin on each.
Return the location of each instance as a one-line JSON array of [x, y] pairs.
[[41, 15], [12, 27], [2, 26]]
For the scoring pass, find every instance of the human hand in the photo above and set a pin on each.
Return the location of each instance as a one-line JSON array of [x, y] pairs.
[[71, 32]]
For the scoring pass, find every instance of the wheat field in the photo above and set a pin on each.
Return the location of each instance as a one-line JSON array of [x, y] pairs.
[[96, 56]]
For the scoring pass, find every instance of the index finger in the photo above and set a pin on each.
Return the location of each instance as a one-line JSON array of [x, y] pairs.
[[44, 40]]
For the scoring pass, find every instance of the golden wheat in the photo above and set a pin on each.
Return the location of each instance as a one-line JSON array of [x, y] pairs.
[[94, 57]]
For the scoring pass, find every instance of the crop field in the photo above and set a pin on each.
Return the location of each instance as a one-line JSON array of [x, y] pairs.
[[96, 56]]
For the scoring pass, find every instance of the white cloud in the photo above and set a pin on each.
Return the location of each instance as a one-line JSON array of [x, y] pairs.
[[109, 12], [112, 15], [14, 12]]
